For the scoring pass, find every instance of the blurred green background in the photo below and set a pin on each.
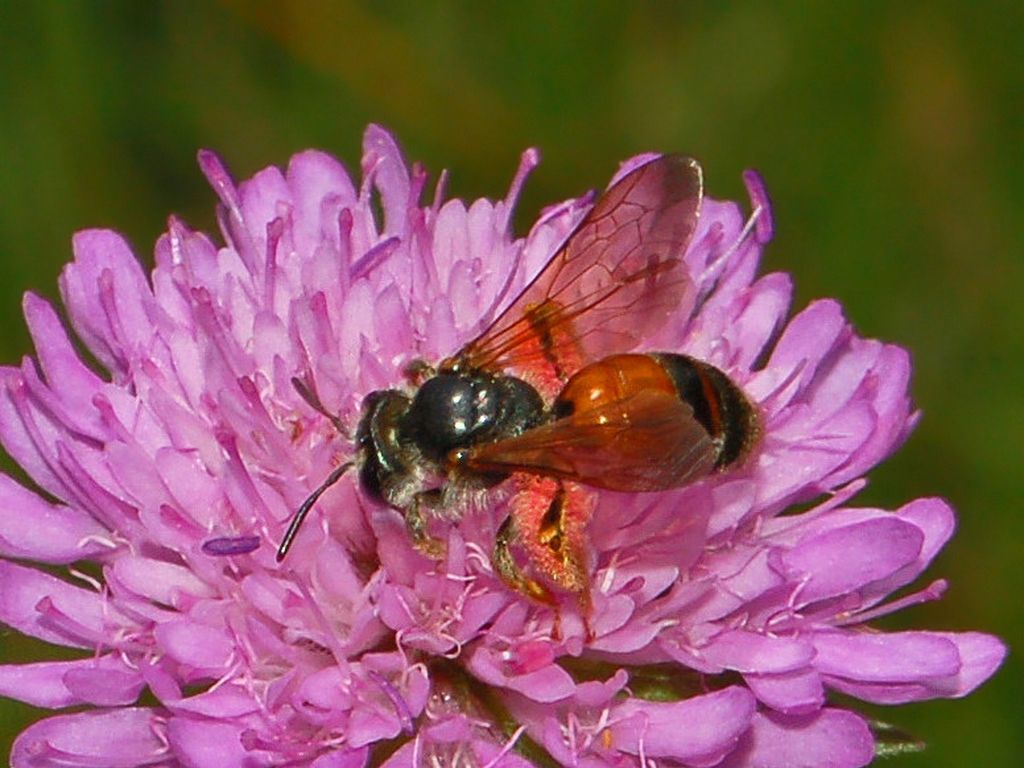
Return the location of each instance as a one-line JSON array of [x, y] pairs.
[[891, 137]]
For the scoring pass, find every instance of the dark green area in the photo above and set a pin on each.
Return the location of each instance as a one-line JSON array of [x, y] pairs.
[[890, 136]]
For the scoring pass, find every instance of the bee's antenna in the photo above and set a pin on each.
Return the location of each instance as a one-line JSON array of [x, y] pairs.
[[307, 505], [308, 394]]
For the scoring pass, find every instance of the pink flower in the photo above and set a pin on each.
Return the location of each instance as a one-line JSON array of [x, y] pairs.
[[174, 458]]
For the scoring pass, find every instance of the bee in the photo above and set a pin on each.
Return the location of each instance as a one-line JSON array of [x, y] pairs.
[[550, 399]]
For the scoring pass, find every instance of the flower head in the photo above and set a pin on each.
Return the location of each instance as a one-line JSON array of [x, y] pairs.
[[226, 386]]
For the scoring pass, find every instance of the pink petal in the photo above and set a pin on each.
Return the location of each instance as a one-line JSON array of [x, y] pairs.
[[450, 243], [263, 197], [980, 655], [792, 693], [831, 739], [104, 687], [61, 366], [936, 520], [382, 155], [845, 559], [810, 336], [498, 756], [754, 652], [694, 729], [200, 743], [547, 684], [106, 681], [49, 533], [885, 387], [107, 297], [314, 179], [119, 738], [228, 701], [27, 440], [343, 758], [327, 689], [159, 581], [198, 645], [763, 314], [368, 724], [897, 657], [29, 598]]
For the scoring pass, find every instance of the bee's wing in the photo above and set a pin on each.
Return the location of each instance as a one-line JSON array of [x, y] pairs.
[[614, 280], [647, 441]]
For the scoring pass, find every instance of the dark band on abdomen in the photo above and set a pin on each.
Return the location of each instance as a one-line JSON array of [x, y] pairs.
[[719, 406]]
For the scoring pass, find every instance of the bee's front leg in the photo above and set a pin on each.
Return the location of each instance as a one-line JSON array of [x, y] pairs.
[[416, 516]]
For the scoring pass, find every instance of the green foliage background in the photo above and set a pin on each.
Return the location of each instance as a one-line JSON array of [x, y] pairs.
[[890, 136]]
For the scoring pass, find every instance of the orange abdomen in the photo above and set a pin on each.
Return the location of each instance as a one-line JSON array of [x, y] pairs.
[[611, 379], [717, 404]]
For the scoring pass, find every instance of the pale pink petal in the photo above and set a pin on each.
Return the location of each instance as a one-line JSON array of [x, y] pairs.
[[692, 731], [108, 298], [792, 693], [46, 607], [49, 533], [830, 739], [845, 559], [205, 743], [117, 738], [197, 645], [106, 681], [885, 657]]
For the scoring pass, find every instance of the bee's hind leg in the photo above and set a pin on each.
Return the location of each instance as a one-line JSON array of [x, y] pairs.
[[548, 519]]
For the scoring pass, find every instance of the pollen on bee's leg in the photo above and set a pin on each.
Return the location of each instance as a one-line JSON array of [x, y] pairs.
[[549, 518], [578, 508], [514, 578]]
